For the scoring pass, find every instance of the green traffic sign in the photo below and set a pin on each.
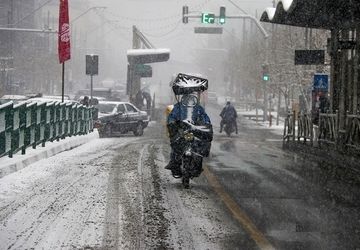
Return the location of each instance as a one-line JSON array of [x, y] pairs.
[[143, 70], [208, 18]]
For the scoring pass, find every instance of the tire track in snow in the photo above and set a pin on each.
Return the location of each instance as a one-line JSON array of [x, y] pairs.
[[48, 200], [59, 198], [123, 203]]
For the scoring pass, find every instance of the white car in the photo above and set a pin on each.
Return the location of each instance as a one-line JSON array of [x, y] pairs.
[[120, 117]]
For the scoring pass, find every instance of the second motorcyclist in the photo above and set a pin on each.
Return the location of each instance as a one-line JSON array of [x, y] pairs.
[[228, 115]]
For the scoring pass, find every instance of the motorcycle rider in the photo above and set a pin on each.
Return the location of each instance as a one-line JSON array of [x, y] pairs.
[[228, 115], [199, 118]]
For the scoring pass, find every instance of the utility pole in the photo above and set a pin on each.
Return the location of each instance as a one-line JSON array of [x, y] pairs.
[[266, 96], [11, 42]]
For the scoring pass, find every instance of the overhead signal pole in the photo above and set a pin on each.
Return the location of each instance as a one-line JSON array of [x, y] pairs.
[[210, 17]]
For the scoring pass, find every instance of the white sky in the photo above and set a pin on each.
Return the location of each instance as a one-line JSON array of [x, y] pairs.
[[161, 22]]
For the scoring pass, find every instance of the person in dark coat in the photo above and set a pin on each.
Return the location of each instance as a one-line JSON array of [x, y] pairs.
[[139, 100], [147, 97], [199, 118], [228, 114]]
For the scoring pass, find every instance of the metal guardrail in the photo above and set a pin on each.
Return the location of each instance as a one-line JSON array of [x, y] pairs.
[[328, 128], [305, 128], [302, 124], [30, 124], [329, 132], [352, 135], [289, 127]]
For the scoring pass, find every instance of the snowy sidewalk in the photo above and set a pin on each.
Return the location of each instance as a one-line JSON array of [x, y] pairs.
[[19, 161], [250, 118]]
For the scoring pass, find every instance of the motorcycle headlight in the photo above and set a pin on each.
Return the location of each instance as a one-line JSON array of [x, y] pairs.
[[189, 136]]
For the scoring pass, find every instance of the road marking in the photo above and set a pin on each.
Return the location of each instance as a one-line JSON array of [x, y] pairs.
[[237, 212]]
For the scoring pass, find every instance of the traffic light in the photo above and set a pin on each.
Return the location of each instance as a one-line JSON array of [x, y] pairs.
[[265, 72], [222, 15], [184, 13]]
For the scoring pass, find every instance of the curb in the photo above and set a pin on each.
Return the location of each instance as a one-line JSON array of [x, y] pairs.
[[18, 162]]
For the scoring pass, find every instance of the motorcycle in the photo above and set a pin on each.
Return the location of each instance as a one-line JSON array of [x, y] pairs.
[[192, 144], [229, 127], [191, 141]]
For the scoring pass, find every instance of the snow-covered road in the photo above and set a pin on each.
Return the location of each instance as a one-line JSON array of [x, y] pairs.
[[58, 202], [109, 194], [114, 193]]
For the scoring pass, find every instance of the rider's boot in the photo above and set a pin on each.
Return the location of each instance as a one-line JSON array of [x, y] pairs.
[[176, 172]]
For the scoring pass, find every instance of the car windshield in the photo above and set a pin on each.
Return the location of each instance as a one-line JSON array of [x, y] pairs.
[[106, 108]]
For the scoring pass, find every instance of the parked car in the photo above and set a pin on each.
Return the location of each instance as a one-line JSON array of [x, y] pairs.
[[120, 117]]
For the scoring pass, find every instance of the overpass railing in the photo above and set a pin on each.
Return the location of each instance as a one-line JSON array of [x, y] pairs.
[[30, 124]]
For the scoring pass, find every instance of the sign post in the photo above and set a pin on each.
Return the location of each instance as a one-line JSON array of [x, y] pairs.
[[64, 40], [92, 68]]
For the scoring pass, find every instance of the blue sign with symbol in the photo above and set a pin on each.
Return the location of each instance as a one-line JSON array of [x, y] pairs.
[[321, 82]]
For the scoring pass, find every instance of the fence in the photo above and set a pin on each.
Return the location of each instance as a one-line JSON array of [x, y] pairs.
[[329, 131], [304, 127], [328, 128], [30, 124], [352, 135], [289, 127]]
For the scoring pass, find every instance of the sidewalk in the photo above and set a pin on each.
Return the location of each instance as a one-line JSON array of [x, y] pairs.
[[340, 163], [19, 161], [250, 115]]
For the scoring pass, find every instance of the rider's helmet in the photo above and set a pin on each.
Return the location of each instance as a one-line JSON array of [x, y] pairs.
[[189, 87], [228, 103], [187, 84]]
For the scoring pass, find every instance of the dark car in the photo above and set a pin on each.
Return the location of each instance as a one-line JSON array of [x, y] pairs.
[[120, 117]]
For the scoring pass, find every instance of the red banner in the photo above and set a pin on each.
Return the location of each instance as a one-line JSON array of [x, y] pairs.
[[64, 32]]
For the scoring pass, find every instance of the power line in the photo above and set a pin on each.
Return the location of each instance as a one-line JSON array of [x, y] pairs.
[[167, 33], [26, 16], [145, 19]]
